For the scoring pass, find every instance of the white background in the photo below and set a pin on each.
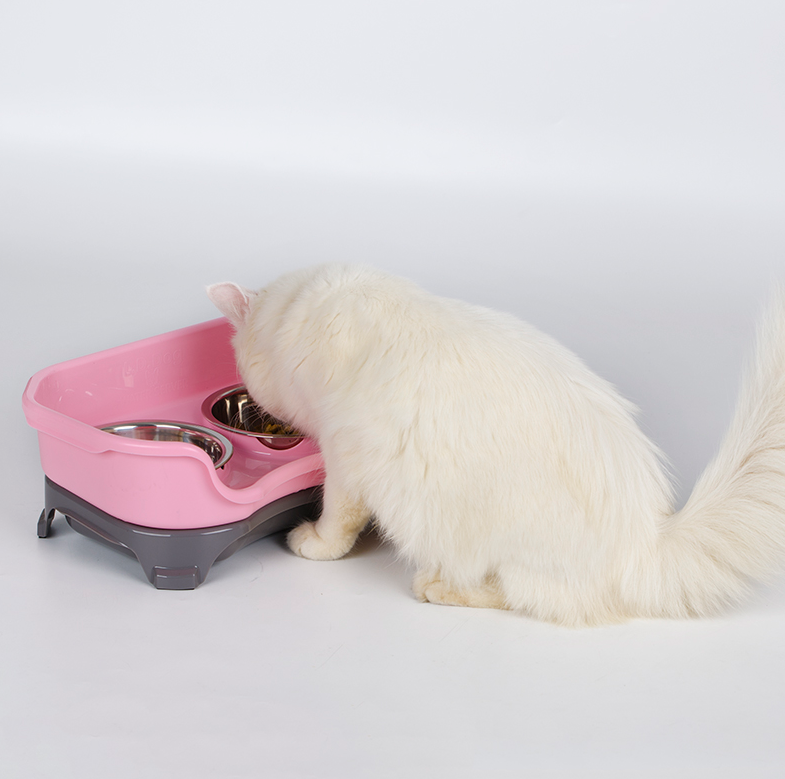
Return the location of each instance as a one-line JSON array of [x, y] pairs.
[[610, 171]]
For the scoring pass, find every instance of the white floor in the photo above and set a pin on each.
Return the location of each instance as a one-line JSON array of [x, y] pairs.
[[610, 172]]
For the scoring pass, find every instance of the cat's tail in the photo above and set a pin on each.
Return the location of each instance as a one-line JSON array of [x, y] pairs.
[[732, 528]]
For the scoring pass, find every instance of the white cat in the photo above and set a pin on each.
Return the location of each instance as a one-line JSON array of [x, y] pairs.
[[496, 462]]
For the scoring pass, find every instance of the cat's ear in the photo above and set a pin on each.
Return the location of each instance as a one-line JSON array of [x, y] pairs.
[[232, 300]]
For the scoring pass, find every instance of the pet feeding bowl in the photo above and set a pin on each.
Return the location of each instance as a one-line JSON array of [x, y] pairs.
[[218, 447], [234, 411], [164, 492]]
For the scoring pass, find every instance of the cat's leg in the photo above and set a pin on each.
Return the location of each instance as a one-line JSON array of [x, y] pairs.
[[429, 587], [336, 530]]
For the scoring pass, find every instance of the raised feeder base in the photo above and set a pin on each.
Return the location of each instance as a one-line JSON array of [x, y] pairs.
[[175, 559]]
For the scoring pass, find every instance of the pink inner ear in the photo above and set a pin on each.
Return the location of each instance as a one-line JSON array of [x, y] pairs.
[[231, 300]]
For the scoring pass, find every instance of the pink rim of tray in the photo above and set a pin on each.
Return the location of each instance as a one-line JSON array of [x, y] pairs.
[[152, 483]]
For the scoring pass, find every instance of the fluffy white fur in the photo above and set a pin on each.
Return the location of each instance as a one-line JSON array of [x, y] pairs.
[[494, 460]]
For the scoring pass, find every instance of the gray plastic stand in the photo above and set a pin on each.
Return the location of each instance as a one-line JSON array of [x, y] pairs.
[[175, 559]]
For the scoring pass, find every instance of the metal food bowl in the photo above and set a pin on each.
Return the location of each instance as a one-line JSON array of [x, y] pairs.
[[233, 409], [217, 446]]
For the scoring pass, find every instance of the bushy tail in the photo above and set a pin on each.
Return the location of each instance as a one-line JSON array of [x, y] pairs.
[[732, 529]]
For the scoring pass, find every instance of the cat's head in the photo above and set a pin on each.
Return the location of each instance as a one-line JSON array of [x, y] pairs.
[[239, 305], [265, 359]]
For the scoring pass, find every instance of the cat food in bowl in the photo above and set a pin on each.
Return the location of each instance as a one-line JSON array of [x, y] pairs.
[[217, 446], [233, 409]]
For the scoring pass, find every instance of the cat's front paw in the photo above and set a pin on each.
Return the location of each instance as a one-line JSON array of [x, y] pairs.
[[306, 542]]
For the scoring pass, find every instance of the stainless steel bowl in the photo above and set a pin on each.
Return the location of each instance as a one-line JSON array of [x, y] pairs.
[[233, 409], [218, 446]]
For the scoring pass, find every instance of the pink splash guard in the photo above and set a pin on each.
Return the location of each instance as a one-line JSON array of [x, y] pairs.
[[157, 484]]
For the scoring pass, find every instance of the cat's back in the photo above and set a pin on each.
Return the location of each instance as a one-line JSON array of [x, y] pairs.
[[392, 319]]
